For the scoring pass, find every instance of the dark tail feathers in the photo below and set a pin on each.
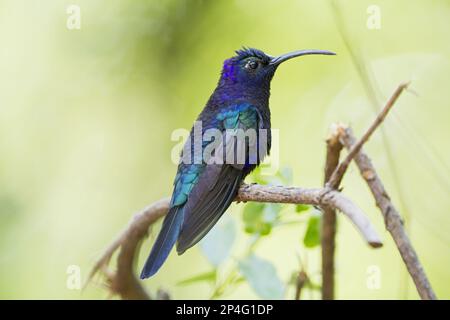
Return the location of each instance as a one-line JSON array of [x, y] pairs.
[[166, 240]]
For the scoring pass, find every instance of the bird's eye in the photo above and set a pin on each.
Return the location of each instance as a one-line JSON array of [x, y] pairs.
[[252, 64]]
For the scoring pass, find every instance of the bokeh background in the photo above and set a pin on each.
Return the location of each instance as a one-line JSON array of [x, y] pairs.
[[86, 118]]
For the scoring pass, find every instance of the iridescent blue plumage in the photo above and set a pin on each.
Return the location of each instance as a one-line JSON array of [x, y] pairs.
[[204, 190]]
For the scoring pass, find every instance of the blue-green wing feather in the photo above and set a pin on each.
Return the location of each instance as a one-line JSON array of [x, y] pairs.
[[217, 185]]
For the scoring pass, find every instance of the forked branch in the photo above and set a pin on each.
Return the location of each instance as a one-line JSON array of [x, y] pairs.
[[334, 172], [338, 174], [392, 218]]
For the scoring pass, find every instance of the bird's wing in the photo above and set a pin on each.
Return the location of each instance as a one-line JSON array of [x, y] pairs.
[[202, 192], [217, 184], [205, 207]]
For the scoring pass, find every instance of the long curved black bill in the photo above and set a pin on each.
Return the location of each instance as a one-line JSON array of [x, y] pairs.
[[284, 57]]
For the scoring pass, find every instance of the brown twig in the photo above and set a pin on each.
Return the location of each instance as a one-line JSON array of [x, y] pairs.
[[300, 282], [329, 222], [338, 173], [334, 172], [124, 283], [321, 197], [392, 218]]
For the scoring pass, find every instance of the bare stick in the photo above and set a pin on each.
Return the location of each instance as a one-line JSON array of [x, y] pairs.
[[321, 197], [334, 173], [329, 220], [392, 218], [300, 282], [124, 283], [337, 175]]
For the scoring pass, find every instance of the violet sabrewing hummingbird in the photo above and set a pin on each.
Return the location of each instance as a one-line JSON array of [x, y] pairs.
[[203, 190]]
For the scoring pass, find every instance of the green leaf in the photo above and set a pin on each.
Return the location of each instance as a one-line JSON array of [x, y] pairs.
[[261, 180], [282, 177], [300, 208], [258, 177], [253, 218], [314, 286], [262, 277], [312, 234], [217, 244], [209, 276], [259, 218], [252, 211]]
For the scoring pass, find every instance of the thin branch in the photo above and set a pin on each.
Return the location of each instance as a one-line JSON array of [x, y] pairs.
[[337, 175], [321, 197], [392, 218], [329, 221], [300, 282], [124, 283]]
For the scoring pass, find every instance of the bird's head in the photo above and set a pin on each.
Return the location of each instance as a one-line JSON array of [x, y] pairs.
[[252, 67]]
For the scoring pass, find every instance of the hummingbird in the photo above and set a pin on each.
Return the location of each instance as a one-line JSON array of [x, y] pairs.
[[204, 189]]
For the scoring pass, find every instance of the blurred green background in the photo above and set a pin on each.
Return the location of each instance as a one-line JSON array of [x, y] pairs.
[[86, 117]]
